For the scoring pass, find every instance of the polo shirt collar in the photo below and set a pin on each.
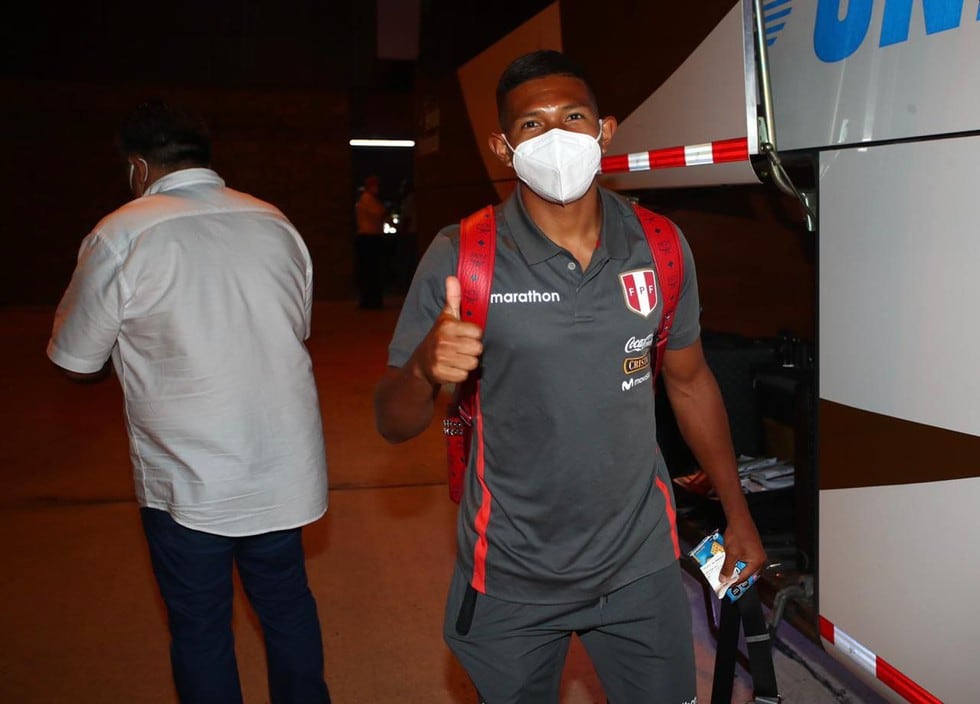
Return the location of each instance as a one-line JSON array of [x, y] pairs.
[[184, 177], [535, 245], [615, 215]]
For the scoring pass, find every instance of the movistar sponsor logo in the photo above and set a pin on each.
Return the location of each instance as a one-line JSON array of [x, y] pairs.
[[632, 365], [638, 344], [531, 296], [636, 381]]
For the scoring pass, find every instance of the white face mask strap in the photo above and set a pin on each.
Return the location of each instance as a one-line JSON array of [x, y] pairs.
[[132, 168]]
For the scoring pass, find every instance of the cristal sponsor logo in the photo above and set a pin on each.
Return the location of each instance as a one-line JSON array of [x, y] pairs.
[[635, 381], [638, 344], [530, 296], [632, 365], [692, 701]]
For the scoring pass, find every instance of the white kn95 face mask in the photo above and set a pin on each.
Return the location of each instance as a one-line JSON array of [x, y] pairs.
[[558, 165]]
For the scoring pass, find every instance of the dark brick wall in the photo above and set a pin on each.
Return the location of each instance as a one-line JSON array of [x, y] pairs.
[[61, 172], [756, 261]]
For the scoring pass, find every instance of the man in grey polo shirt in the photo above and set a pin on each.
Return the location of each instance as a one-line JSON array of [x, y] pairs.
[[568, 527]]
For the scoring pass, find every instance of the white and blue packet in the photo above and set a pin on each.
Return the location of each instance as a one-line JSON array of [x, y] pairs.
[[710, 556]]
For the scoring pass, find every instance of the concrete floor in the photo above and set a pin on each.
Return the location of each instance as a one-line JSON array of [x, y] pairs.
[[80, 617]]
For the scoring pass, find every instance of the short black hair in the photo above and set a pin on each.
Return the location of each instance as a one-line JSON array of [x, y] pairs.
[[538, 64], [165, 134]]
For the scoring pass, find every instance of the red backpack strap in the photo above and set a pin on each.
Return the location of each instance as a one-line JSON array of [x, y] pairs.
[[668, 262], [477, 250]]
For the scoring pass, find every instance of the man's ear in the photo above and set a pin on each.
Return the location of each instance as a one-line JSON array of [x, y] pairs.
[[609, 125], [498, 145], [141, 174]]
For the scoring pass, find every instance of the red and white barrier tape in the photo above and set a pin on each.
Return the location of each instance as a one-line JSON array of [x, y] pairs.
[[694, 155], [878, 668]]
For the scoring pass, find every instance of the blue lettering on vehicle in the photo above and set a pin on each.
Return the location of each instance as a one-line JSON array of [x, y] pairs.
[[835, 38], [774, 17]]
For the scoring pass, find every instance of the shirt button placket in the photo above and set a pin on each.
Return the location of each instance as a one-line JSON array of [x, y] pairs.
[[572, 269]]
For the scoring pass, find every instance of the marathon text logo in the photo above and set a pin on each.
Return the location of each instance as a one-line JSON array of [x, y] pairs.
[[636, 381], [531, 296], [632, 365], [640, 290]]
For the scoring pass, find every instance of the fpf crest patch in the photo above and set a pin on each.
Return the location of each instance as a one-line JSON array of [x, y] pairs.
[[639, 290]]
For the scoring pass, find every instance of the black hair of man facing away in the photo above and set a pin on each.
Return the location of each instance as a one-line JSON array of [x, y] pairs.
[[166, 135]]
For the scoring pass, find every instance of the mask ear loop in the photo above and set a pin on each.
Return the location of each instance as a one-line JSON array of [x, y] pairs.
[[132, 169]]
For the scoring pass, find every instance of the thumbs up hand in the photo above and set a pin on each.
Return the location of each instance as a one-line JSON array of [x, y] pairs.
[[453, 347], [454, 295]]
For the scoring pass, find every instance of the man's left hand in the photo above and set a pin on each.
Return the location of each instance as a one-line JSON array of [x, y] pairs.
[[742, 542]]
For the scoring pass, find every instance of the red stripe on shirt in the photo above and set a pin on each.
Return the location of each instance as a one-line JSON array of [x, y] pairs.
[[479, 581], [671, 516]]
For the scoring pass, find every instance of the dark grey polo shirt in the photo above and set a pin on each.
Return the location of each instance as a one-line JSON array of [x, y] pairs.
[[576, 500]]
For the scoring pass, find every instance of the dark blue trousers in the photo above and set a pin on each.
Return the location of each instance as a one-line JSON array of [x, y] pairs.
[[194, 572]]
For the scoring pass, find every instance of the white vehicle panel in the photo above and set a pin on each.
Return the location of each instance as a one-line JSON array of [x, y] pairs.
[[899, 572], [710, 97], [845, 72], [899, 281]]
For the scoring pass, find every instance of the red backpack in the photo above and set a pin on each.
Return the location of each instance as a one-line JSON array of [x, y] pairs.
[[477, 248]]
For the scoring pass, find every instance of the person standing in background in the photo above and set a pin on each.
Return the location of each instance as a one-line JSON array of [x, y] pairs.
[[369, 246], [202, 298]]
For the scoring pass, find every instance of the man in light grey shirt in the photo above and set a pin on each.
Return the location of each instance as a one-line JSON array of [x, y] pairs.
[[201, 296]]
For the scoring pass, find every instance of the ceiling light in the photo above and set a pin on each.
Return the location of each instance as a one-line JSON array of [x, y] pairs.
[[396, 143]]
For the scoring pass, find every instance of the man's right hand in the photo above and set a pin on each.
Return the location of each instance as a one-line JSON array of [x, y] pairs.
[[453, 347], [404, 401]]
